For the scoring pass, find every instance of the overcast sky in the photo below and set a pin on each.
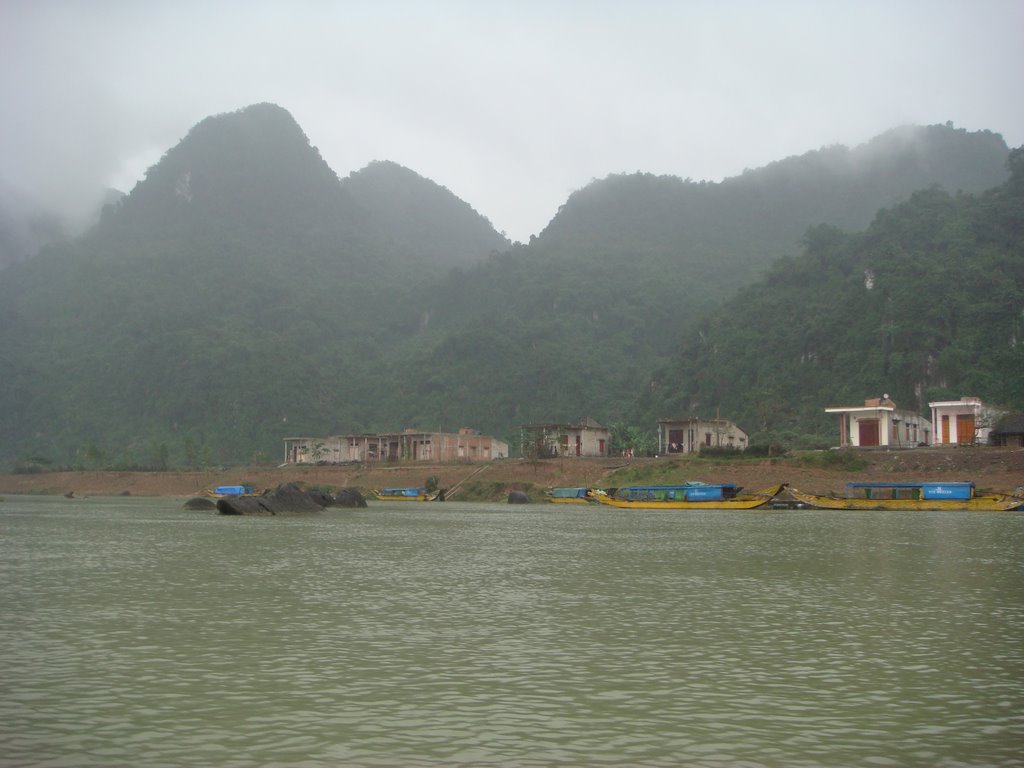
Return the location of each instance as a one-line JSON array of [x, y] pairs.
[[510, 105]]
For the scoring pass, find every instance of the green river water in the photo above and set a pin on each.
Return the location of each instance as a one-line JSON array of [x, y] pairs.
[[133, 632]]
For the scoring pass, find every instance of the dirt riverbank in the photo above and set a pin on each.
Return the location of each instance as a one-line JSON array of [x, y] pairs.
[[989, 468]]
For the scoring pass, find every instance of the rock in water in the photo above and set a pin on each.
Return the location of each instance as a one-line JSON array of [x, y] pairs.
[[323, 498], [518, 497], [200, 502], [286, 499], [349, 497]]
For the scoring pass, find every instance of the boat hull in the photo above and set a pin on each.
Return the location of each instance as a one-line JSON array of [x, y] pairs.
[[381, 496], [570, 496], [744, 501], [1001, 502]]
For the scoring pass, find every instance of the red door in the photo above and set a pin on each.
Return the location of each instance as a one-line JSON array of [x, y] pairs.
[[965, 429], [868, 432]]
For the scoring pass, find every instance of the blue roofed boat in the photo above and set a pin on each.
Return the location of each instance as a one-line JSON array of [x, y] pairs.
[[404, 494], [690, 495], [925, 496], [232, 490], [580, 495]]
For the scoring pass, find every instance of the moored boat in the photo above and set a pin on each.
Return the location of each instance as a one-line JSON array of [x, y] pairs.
[[581, 495], [404, 494], [222, 491], [924, 496], [691, 495]]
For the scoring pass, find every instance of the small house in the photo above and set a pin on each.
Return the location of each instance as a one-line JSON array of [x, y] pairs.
[[1008, 432], [960, 422], [693, 434], [880, 424], [587, 438]]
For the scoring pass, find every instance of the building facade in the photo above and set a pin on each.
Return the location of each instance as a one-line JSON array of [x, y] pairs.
[[880, 424], [693, 434], [959, 422], [466, 445], [1008, 431], [588, 438]]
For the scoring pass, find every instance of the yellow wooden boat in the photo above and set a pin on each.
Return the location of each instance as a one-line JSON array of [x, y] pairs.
[[581, 495], [687, 496], [404, 494], [953, 497]]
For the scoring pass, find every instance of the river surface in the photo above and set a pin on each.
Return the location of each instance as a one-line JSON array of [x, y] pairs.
[[133, 632]]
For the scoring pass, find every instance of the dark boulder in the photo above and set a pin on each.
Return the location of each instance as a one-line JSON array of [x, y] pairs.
[[200, 502], [349, 497], [323, 498], [518, 497], [286, 499]]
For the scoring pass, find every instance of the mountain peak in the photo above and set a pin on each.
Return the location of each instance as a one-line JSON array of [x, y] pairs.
[[253, 163], [432, 221]]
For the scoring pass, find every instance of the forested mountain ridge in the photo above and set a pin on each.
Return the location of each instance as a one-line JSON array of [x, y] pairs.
[[574, 323], [243, 293], [432, 225], [778, 202], [240, 291], [926, 304]]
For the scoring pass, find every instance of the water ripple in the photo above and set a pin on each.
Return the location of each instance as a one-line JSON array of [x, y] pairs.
[[137, 634]]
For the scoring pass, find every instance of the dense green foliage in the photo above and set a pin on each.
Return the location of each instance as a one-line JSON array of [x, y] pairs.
[[243, 293], [575, 323], [927, 304]]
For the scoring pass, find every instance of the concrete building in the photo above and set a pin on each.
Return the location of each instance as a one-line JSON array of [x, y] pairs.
[[880, 424], [466, 445], [588, 438], [693, 434], [958, 422]]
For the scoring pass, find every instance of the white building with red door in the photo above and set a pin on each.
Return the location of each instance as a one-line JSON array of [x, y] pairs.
[[880, 424], [961, 422]]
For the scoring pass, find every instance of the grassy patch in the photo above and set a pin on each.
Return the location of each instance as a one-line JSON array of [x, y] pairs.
[[844, 461], [659, 473], [497, 491]]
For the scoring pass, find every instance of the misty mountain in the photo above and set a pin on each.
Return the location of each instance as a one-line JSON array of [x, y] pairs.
[[752, 219], [926, 304], [239, 290], [423, 220], [576, 322], [25, 226], [242, 293]]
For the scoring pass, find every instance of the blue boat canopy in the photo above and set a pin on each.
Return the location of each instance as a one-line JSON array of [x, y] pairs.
[[403, 491], [569, 493], [233, 490], [931, 491], [689, 491]]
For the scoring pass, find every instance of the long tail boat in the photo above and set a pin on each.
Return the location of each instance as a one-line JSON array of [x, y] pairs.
[[930, 496], [687, 496], [404, 494]]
